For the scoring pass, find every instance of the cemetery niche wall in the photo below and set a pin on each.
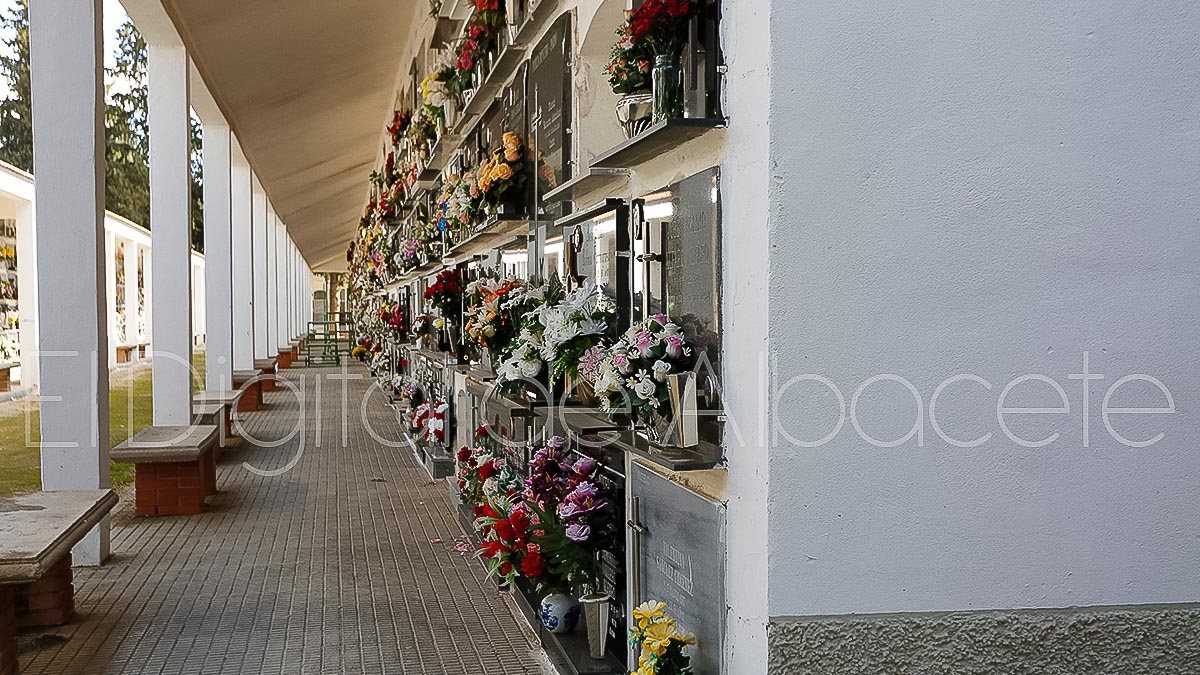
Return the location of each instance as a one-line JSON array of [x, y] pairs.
[[545, 314]]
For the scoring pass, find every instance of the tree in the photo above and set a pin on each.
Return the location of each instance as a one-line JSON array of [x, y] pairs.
[[127, 138], [16, 112], [126, 122]]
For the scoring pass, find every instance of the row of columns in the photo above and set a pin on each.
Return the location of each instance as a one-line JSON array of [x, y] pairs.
[[257, 283]]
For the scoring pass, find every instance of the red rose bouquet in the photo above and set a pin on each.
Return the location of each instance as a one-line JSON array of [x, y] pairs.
[[661, 25], [445, 293]]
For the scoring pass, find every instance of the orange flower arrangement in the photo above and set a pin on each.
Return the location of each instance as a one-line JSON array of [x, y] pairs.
[[503, 171]]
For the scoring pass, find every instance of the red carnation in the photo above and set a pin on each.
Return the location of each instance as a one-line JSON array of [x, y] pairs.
[[464, 453], [533, 565], [520, 522], [504, 529], [505, 568], [486, 470]]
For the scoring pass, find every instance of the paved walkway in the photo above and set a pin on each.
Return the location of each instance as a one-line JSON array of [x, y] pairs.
[[342, 563]]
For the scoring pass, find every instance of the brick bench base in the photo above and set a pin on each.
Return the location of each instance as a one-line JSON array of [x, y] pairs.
[[174, 488], [253, 399], [49, 601], [8, 631], [285, 358], [268, 381]]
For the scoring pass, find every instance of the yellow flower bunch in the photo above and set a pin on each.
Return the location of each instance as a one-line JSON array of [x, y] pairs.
[[660, 639]]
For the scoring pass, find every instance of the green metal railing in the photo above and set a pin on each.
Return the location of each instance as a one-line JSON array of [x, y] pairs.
[[329, 341]]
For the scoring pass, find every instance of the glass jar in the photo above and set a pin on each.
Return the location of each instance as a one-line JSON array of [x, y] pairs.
[[667, 86]]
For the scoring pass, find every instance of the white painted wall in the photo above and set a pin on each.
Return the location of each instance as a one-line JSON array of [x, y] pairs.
[[993, 189]]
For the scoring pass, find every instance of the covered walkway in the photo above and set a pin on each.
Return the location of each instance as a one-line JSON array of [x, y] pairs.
[[344, 563]]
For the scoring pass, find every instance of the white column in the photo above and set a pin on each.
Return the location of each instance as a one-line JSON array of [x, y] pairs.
[[292, 288], [68, 119], [243, 260], [110, 294], [261, 336], [170, 219], [281, 336], [218, 260], [291, 296], [27, 294], [272, 282], [131, 307]]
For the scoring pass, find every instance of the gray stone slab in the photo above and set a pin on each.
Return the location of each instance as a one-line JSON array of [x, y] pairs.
[[167, 444], [240, 377], [206, 409], [228, 397], [37, 530]]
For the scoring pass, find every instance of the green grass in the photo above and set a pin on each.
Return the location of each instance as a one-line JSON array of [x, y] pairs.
[[129, 390]]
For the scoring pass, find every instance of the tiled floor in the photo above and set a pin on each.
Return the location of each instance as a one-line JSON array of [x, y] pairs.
[[325, 557]]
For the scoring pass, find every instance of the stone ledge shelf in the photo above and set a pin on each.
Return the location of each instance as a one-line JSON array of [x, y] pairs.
[[175, 468], [37, 532]]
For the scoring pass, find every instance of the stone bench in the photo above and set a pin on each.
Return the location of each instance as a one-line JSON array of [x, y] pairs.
[[269, 368], [37, 532], [285, 357], [295, 350], [175, 468], [250, 383], [125, 353], [213, 414], [228, 401], [142, 350]]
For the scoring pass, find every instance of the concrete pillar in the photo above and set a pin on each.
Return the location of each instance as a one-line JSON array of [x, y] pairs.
[[243, 260], [292, 288], [218, 260], [68, 120], [110, 294], [170, 219], [272, 281], [281, 286], [291, 295], [131, 294], [261, 337], [27, 297]]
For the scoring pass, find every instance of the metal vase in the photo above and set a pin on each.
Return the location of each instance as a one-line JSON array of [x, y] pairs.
[[679, 428], [595, 613]]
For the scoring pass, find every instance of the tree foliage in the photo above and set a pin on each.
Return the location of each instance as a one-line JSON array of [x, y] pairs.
[[16, 112], [126, 122], [126, 137]]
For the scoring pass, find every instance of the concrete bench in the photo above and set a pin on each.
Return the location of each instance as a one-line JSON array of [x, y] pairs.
[[213, 414], [37, 532], [142, 350], [269, 368], [249, 382], [175, 468], [228, 400], [295, 350], [125, 353]]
